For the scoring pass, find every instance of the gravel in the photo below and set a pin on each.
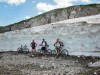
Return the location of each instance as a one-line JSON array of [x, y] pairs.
[[12, 63]]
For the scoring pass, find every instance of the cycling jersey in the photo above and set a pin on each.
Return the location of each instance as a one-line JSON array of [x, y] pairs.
[[57, 44], [44, 43]]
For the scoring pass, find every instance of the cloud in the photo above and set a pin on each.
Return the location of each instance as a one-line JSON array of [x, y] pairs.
[[33, 1], [86, 1], [98, 2], [44, 6], [27, 17], [64, 3], [39, 12], [59, 4], [15, 2], [41, 6]]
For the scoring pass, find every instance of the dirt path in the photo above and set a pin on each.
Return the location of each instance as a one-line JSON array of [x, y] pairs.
[[12, 63]]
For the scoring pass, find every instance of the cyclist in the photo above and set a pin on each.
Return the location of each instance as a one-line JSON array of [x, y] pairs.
[[44, 46], [33, 45], [58, 45]]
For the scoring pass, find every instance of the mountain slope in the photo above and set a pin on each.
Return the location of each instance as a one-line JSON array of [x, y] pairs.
[[54, 16]]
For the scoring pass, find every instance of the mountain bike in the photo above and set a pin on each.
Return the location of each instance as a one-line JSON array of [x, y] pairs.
[[23, 49], [63, 52], [48, 51]]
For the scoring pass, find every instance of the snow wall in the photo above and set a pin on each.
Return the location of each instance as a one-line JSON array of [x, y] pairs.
[[79, 38]]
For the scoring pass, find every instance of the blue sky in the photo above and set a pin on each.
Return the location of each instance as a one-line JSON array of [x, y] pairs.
[[12, 11]]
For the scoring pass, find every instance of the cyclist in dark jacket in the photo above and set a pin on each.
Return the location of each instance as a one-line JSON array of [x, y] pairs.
[[44, 46]]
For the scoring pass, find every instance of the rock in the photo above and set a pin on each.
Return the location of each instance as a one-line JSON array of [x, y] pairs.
[[76, 61], [41, 66], [95, 73]]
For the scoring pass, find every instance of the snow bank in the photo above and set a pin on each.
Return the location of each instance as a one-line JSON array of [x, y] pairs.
[[79, 38]]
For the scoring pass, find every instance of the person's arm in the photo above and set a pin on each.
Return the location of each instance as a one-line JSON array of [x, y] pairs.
[[46, 44], [41, 43], [61, 44], [55, 43], [35, 44]]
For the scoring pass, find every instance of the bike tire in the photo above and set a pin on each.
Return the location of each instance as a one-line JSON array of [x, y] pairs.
[[39, 50], [19, 50], [26, 50], [65, 51], [53, 52], [49, 50]]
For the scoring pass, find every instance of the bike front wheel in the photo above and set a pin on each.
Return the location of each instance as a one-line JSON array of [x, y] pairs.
[[39, 51], [53, 52], [65, 52], [19, 50], [49, 51], [26, 50]]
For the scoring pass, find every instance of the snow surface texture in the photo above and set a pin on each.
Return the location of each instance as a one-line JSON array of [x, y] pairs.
[[81, 36], [95, 64]]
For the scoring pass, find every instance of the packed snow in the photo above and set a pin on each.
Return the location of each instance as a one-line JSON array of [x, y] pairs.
[[81, 36]]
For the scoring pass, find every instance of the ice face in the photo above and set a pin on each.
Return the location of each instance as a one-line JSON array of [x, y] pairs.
[[79, 38]]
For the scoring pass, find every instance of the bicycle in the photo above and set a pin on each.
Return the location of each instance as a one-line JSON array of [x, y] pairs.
[[48, 51], [23, 49], [63, 52]]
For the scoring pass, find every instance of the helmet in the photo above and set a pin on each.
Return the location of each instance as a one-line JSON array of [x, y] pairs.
[[43, 39], [57, 38]]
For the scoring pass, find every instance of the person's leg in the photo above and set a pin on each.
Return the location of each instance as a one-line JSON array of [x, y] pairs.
[[43, 51], [58, 52], [33, 50]]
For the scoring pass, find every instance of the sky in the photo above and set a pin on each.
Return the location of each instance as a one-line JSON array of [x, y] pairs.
[[12, 11]]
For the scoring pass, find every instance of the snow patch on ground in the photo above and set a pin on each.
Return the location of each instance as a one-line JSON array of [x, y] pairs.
[[95, 64]]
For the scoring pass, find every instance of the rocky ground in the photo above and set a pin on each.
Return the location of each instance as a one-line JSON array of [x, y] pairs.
[[13, 63]]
